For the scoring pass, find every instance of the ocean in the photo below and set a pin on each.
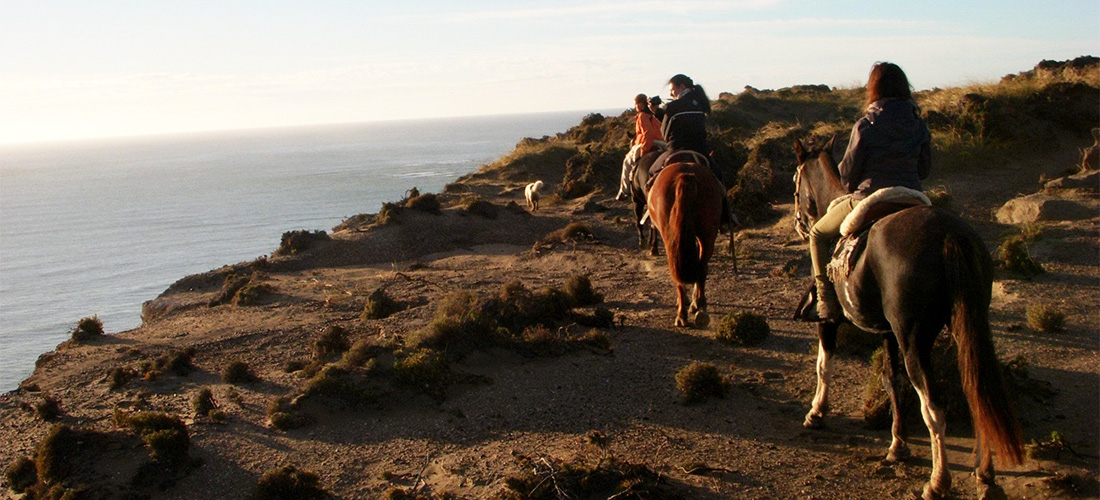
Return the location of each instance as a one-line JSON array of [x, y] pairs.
[[98, 227]]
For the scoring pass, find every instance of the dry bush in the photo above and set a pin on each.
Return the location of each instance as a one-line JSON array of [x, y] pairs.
[[87, 328], [282, 414], [743, 328], [425, 203], [579, 289], [48, 409], [238, 372], [288, 483], [699, 381], [575, 231], [165, 435], [1045, 317], [380, 305], [424, 370], [55, 457], [203, 402], [296, 242], [119, 376], [1014, 256], [332, 341], [21, 474], [252, 294], [545, 479], [483, 208]]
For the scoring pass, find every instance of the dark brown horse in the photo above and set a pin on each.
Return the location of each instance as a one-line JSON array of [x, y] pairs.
[[923, 269], [685, 204], [638, 182]]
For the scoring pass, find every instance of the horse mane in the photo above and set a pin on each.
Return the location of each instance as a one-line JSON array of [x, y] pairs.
[[829, 166]]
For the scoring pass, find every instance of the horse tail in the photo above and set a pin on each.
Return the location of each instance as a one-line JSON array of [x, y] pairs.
[[970, 280], [684, 250]]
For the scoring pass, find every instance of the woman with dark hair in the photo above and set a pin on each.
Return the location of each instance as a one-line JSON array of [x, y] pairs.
[[889, 146], [685, 123], [647, 131]]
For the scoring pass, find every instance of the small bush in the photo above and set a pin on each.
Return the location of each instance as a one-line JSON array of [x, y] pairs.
[[699, 381], [424, 203], [610, 478], [119, 376], [1045, 318], [177, 362], [233, 283], [579, 289], [87, 328], [425, 370], [252, 294], [283, 415], [165, 435], [379, 306], [572, 232], [48, 409], [940, 197], [56, 453], [743, 328], [1013, 256], [203, 403], [601, 317], [238, 372], [338, 383], [288, 483], [332, 341], [295, 242], [483, 208], [21, 474]]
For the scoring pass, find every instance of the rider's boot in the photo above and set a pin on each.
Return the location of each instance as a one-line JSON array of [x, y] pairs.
[[828, 306]]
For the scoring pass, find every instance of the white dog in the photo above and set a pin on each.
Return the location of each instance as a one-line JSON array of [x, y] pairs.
[[532, 194]]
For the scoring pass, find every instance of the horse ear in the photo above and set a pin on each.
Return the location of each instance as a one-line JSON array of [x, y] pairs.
[[829, 145], [799, 151]]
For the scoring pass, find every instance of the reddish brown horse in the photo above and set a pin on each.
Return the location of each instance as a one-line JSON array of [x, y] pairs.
[[685, 203]]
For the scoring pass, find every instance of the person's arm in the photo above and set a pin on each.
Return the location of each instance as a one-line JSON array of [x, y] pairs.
[[924, 161], [852, 166]]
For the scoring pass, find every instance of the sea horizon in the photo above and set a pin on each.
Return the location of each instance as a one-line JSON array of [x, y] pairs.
[[99, 226]]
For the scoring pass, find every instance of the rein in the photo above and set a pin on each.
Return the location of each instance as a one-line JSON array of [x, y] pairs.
[[800, 225]]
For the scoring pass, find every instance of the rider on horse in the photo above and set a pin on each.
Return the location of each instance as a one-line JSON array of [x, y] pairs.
[[685, 123], [890, 146]]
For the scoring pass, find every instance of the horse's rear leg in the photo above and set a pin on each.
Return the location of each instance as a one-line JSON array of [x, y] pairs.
[[698, 308], [681, 309], [826, 343], [919, 365], [891, 382]]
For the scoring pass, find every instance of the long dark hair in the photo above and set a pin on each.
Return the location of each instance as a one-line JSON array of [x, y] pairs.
[[704, 101], [887, 80]]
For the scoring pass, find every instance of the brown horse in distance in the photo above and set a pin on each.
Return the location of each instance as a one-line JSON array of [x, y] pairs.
[[685, 204]]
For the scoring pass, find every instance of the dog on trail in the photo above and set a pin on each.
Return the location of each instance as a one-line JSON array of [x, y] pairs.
[[532, 194]]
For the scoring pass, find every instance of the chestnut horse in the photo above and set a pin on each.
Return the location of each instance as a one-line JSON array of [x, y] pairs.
[[923, 269], [685, 204]]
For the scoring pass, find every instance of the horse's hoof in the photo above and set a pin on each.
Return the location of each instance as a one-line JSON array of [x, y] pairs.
[[931, 493], [702, 319], [900, 454], [813, 421], [680, 323], [991, 492]]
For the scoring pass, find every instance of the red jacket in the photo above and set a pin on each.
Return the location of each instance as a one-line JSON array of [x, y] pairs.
[[646, 130]]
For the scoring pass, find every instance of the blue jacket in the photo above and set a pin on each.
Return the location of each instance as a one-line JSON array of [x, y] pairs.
[[890, 146]]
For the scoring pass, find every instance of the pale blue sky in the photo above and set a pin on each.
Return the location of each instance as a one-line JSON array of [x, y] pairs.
[[71, 69]]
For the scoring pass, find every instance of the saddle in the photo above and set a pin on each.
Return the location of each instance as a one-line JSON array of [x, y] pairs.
[[856, 225], [658, 166]]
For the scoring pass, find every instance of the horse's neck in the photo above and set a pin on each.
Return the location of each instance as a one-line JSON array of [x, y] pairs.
[[828, 188]]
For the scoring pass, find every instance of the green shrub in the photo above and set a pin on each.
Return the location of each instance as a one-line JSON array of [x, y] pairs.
[[1013, 256], [203, 402], [165, 435], [238, 372], [362, 351], [87, 328], [21, 474], [295, 242], [699, 381], [425, 370], [252, 294], [56, 453], [379, 306], [288, 483], [1045, 318], [743, 328], [332, 341], [579, 289]]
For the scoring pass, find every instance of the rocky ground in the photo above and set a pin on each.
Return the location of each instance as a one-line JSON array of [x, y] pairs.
[[510, 413]]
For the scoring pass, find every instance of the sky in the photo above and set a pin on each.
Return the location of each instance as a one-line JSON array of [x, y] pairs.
[[80, 69]]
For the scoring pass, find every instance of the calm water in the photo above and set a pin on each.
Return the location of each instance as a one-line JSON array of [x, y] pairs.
[[100, 227]]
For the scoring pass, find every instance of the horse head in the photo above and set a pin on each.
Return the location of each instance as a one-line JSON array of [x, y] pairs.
[[816, 183]]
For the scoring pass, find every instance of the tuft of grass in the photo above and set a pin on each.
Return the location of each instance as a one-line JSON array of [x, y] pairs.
[[575, 231], [295, 242], [54, 458], [87, 328], [177, 362], [21, 474], [579, 289], [743, 328], [339, 383], [1045, 318], [699, 381], [252, 294], [119, 376], [284, 415], [380, 305], [238, 372], [428, 202], [288, 483], [333, 341], [1014, 256]]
